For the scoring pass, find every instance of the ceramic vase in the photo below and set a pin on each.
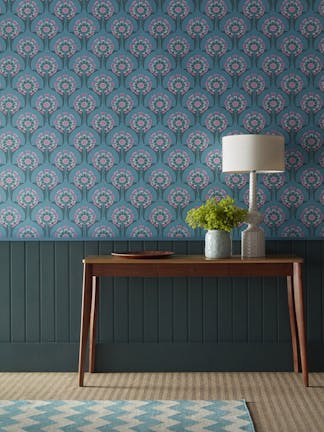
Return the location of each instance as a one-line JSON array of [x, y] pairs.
[[217, 244]]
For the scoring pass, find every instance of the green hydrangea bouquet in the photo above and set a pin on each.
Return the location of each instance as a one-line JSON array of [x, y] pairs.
[[221, 215]]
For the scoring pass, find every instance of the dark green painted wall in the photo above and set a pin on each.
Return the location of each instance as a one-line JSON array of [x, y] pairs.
[[166, 324]]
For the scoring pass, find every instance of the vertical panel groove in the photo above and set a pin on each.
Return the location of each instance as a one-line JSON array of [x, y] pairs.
[[10, 293], [68, 291], [54, 292], [322, 291], [39, 296], [25, 292]]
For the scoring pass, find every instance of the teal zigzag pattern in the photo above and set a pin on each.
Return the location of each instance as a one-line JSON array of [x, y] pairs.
[[123, 415]]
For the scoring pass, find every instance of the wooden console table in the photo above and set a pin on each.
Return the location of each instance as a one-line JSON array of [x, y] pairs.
[[192, 266]]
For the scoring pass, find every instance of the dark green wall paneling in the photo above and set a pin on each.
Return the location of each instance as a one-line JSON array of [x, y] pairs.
[[225, 320]]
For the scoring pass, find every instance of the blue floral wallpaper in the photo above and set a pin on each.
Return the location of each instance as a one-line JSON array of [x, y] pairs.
[[112, 113]]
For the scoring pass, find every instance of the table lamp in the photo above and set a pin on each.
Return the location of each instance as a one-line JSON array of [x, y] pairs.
[[253, 154]]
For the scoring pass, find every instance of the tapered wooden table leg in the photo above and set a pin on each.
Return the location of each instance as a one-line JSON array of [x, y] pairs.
[[299, 307], [85, 319], [292, 319], [93, 324]]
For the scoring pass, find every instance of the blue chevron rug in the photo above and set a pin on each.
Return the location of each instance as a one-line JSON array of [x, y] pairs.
[[124, 416]]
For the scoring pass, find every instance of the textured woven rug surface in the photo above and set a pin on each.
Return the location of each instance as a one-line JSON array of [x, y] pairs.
[[125, 415]]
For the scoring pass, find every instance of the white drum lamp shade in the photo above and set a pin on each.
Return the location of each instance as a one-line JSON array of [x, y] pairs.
[[259, 153], [253, 154]]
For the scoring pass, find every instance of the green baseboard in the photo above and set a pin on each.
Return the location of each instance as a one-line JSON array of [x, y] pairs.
[[153, 357]]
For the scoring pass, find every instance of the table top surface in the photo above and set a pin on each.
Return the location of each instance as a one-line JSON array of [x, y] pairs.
[[192, 259]]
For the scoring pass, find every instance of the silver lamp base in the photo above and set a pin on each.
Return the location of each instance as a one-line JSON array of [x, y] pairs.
[[252, 242]]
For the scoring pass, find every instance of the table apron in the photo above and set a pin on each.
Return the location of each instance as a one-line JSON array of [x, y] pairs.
[[190, 270]]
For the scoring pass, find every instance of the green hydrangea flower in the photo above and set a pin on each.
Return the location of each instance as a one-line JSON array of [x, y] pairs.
[[216, 215]]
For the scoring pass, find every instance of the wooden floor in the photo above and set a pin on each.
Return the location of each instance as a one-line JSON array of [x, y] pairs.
[[278, 402]]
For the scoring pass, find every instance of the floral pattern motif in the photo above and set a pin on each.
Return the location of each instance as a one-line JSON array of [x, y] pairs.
[[112, 114]]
